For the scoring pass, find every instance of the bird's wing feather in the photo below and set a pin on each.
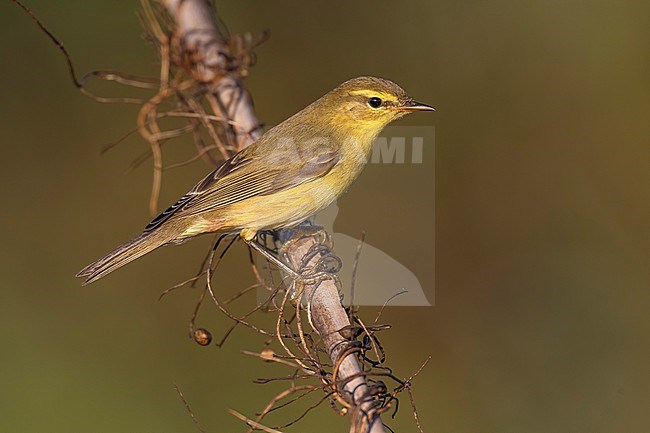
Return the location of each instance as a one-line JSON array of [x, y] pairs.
[[243, 180], [246, 175]]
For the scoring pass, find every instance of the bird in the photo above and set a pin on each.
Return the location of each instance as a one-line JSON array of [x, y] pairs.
[[291, 172]]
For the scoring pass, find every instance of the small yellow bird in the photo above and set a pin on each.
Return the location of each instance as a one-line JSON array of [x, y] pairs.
[[294, 170]]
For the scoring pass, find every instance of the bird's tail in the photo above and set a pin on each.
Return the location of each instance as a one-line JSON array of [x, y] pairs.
[[125, 253]]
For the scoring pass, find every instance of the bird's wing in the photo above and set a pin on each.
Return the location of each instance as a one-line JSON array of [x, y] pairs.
[[247, 175]]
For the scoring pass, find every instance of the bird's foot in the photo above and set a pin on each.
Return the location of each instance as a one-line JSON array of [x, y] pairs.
[[306, 276]]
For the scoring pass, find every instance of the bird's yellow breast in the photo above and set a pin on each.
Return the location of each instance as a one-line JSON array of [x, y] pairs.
[[289, 207]]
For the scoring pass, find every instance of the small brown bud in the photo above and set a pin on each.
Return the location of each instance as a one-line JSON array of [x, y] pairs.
[[202, 336]]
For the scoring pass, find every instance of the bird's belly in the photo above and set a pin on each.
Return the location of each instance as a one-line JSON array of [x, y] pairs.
[[282, 209]]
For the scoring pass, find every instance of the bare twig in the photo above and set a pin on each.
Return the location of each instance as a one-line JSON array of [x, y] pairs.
[[189, 409], [355, 266], [252, 423]]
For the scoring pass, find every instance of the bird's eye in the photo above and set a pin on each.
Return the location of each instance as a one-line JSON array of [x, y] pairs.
[[374, 102]]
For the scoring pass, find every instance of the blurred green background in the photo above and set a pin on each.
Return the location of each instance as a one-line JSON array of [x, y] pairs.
[[541, 218]]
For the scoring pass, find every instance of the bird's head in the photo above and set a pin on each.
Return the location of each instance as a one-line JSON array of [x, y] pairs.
[[367, 104]]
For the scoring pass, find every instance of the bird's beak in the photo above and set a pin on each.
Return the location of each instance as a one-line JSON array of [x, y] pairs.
[[411, 105]]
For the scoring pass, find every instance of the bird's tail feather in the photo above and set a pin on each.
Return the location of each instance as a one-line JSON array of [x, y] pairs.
[[120, 256]]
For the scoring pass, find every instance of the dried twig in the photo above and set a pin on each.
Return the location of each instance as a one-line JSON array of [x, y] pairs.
[[189, 409], [252, 423]]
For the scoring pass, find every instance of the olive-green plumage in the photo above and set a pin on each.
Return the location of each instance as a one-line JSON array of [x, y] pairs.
[[294, 170]]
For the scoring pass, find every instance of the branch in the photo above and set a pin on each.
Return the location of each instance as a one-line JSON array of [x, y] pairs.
[[329, 318], [210, 58]]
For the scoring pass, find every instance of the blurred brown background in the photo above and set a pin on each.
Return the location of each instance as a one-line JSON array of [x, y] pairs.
[[541, 205]]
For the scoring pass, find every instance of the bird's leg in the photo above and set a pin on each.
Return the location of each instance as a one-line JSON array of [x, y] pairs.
[[249, 236], [270, 257]]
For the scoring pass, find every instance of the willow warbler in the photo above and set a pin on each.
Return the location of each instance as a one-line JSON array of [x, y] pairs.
[[294, 170]]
